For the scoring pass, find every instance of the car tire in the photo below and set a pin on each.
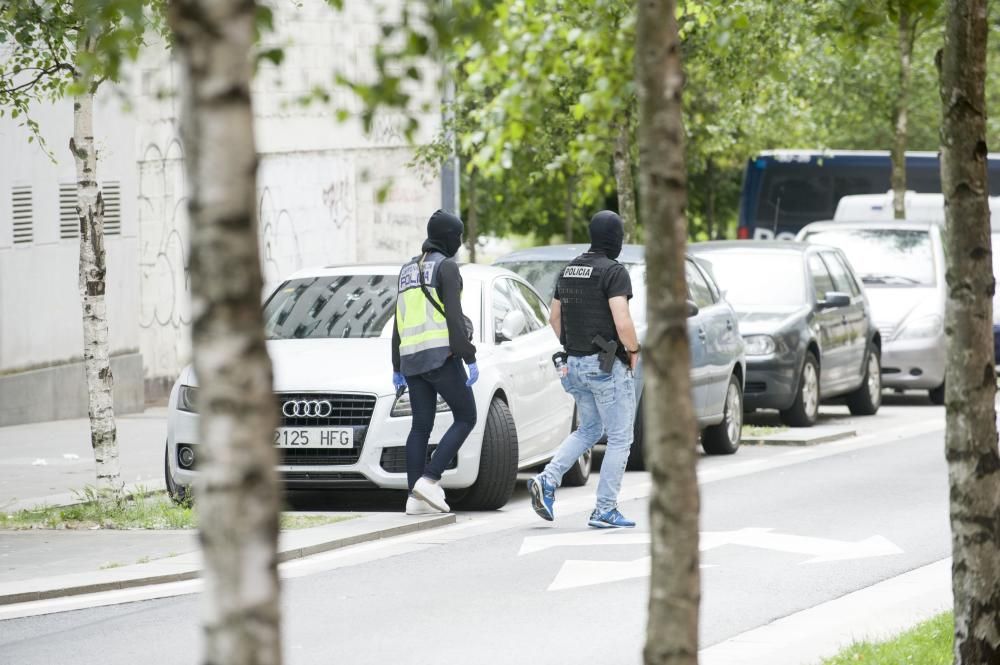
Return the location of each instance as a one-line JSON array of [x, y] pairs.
[[866, 400], [805, 408], [579, 473], [937, 395], [724, 438], [497, 462], [179, 494], [635, 453]]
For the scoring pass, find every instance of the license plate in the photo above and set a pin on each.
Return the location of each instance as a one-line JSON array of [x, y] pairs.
[[314, 437]]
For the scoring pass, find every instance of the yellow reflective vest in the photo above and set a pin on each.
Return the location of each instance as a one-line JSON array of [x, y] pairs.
[[423, 330]]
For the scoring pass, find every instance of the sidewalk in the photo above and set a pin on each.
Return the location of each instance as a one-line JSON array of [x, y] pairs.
[[41, 564], [45, 463]]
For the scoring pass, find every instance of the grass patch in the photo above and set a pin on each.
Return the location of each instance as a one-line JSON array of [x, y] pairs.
[[930, 643], [141, 510], [293, 521], [758, 431], [138, 511], [111, 564]]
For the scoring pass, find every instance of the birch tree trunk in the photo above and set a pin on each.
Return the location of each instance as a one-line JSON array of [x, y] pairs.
[[907, 30], [238, 490], [671, 434], [623, 176], [970, 383], [92, 284], [472, 219]]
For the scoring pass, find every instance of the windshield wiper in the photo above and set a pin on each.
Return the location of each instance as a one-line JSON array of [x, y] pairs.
[[887, 279]]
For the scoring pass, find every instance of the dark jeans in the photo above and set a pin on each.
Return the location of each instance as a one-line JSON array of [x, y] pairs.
[[449, 382]]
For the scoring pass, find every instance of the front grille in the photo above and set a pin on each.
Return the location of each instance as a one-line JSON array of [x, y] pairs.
[[322, 475], [347, 410], [755, 387], [394, 459], [891, 370]]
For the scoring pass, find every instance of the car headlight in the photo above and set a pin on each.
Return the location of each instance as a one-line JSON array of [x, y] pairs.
[[758, 345], [402, 406], [927, 326], [187, 399]]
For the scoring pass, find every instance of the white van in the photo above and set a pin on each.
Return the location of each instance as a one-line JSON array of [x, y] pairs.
[[918, 207]]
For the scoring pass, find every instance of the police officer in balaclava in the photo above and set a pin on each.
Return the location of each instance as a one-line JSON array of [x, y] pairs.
[[590, 315], [430, 341]]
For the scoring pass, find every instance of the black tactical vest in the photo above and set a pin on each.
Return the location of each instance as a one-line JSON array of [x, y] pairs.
[[585, 309]]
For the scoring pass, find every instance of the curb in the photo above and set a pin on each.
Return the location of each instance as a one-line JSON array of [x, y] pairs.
[[194, 571], [802, 436]]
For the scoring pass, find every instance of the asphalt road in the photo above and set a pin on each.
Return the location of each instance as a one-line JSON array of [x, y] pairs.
[[507, 586]]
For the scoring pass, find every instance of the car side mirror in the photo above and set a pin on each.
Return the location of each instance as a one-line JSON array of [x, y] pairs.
[[692, 309], [835, 299], [513, 325]]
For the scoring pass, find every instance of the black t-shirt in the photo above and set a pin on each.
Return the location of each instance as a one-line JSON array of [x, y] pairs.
[[615, 282]]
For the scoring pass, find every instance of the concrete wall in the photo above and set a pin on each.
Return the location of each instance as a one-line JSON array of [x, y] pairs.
[[57, 392], [318, 198]]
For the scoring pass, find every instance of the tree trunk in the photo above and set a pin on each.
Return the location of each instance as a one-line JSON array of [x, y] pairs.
[[671, 433], [238, 490], [907, 30], [472, 219], [623, 176], [710, 200], [92, 283], [970, 383], [569, 211]]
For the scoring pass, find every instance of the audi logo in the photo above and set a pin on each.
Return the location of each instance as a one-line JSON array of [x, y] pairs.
[[312, 408]]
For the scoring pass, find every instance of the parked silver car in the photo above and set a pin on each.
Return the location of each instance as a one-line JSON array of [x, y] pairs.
[[718, 365], [902, 266]]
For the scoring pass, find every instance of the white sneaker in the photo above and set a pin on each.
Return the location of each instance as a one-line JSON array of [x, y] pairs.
[[417, 506], [431, 492]]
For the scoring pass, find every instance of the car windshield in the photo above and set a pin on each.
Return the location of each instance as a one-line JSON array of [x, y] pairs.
[[543, 276], [883, 257], [331, 306], [758, 278]]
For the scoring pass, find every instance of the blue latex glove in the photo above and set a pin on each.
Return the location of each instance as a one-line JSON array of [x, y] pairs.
[[398, 381], [473, 374]]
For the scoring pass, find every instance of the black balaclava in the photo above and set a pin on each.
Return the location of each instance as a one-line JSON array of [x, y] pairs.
[[444, 233], [607, 234]]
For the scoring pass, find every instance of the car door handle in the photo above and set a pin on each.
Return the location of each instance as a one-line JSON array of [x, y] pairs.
[[701, 333]]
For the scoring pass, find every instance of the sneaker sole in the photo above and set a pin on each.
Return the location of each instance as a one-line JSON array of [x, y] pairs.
[[535, 490], [443, 507], [606, 525]]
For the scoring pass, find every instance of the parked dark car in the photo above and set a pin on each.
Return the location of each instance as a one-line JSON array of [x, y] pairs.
[[717, 361], [806, 324]]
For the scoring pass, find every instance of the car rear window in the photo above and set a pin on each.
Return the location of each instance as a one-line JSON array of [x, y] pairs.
[[758, 278], [346, 306], [884, 257]]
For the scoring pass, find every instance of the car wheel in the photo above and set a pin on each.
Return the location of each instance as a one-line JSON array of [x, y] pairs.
[[805, 408], [724, 438], [497, 462], [635, 459], [579, 473], [866, 400], [179, 494], [937, 394]]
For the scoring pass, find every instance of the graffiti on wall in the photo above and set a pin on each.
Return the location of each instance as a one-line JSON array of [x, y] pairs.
[[164, 284]]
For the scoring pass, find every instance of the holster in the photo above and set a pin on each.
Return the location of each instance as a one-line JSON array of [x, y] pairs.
[[607, 353]]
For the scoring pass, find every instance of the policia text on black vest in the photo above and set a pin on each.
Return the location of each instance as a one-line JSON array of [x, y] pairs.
[[583, 290]]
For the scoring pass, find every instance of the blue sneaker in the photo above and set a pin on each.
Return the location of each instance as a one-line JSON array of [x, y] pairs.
[[610, 520], [543, 496]]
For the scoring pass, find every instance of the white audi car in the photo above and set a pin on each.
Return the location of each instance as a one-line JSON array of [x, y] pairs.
[[329, 333]]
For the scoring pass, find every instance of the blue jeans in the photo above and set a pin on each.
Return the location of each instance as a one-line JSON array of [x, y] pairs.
[[604, 403], [448, 381]]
